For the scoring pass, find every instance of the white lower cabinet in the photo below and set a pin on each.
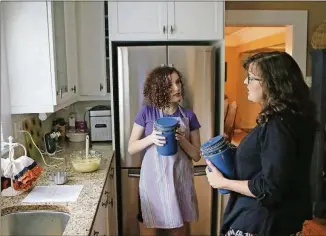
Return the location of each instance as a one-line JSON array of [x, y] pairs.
[[105, 222]]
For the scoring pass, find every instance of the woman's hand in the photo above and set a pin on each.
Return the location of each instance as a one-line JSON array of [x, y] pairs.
[[215, 177], [157, 138]]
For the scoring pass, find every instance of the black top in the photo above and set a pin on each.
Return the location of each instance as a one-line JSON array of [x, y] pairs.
[[275, 158]]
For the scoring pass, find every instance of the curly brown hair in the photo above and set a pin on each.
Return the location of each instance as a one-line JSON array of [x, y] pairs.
[[284, 88], [158, 85]]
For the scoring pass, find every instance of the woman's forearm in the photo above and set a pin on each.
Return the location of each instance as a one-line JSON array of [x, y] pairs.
[[192, 151], [239, 186], [139, 145]]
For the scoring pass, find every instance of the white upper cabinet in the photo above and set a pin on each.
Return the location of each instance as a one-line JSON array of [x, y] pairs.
[[37, 46], [196, 20], [137, 21], [161, 21], [91, 48]]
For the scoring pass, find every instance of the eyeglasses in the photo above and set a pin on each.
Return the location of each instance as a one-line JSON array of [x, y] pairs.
[[250, 78]]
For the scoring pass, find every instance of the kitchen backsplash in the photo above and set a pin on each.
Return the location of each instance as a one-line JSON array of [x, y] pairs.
[[80, 108], [21, 118]]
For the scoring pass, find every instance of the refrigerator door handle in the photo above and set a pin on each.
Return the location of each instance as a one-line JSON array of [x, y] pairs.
[[200, 170], [200, 173], [134, 173]]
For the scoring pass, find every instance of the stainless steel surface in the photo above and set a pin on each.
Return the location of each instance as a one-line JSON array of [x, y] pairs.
[[204, 195], [133, 65], [198, 66], [59, 177], [100, 125], [196, 63], [34, 223]]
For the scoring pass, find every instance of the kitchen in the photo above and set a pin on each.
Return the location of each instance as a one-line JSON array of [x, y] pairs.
[[77, 72], [76, 48]]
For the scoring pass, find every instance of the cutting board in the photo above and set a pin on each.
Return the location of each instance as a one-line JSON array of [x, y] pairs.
[[54, 193]]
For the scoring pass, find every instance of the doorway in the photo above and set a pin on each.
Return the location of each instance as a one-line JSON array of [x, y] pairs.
[[240, 43]]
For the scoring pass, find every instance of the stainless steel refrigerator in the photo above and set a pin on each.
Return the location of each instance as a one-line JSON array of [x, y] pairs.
[[201, 70]]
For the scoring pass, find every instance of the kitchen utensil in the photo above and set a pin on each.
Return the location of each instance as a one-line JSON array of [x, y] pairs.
[[76, 137], [81, 164], [221, 153], [167, 126], [59, 177], [87, 146]]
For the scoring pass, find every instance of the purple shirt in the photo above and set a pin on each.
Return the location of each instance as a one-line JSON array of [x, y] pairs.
[[149, 114]]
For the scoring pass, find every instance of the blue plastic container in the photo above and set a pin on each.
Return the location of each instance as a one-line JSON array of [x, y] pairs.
[[221, 153], [168, 126]]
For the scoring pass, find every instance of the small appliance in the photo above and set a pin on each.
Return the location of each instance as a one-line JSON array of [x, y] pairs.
[[100, 124]]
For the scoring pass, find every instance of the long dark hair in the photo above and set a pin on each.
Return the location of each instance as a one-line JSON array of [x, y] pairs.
[[284, 88]]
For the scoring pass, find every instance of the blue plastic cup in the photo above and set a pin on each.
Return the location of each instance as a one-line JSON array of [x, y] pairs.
[[168, 126], [221, 154]]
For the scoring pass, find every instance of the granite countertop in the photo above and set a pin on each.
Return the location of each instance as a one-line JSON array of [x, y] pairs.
[[82, 212]]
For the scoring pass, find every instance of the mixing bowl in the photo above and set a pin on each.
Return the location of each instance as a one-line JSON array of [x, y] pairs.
[[81, 164]]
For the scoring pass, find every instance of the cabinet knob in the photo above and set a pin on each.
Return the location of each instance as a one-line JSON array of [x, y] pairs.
[[96, 233], [101, 87], [74, 89], [164, 29], [111, 202], [59, 93], [171, 29], [111, 175]]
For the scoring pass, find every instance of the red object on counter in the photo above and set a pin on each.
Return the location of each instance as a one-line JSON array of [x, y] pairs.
[[81, 126]]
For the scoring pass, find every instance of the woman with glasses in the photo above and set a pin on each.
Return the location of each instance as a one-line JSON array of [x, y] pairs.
[[271, 189]]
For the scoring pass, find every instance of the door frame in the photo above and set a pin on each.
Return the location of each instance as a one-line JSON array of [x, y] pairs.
[[296, 23]]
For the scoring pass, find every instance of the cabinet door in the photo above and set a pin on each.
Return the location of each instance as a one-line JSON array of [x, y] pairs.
[[26, 31], [195, 20], [91, 48], [71, 48], [60, 55], [100, 226], [137, 21], [100, 223], [112, 207]]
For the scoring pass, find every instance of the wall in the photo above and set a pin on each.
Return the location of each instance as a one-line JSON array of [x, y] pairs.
[[316, 14], [234, 87], [79, 108]]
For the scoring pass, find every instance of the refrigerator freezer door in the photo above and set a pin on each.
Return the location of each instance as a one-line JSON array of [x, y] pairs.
[[204, 196], [133, 65], [196, 64], [131, 207]]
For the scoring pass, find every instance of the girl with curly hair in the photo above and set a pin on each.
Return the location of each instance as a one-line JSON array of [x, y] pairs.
[[271, 189], [167, 195]]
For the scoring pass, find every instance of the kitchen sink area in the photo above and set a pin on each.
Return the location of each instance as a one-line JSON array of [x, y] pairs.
[[52, 212], [34, 223]]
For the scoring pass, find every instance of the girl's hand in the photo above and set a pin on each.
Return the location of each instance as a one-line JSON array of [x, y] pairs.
[[157, 138], [215, 177], [180, 135]]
